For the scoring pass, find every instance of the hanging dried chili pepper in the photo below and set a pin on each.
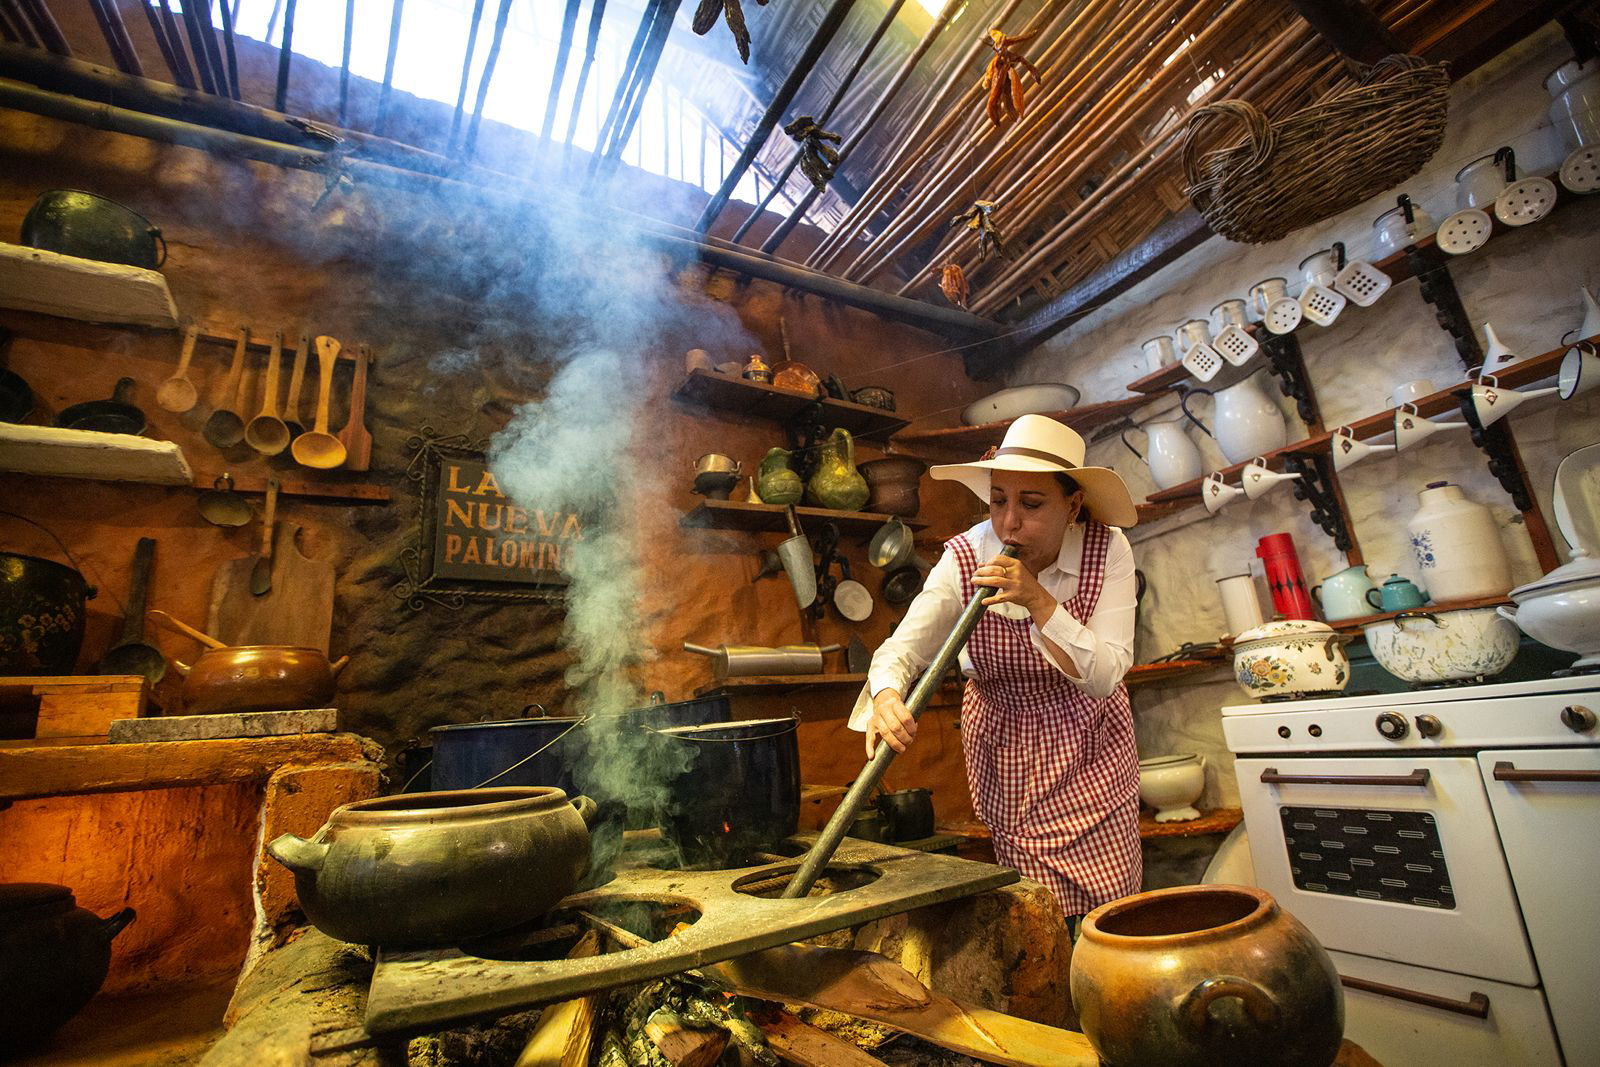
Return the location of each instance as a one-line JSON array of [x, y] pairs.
[[817, 160], [953, 283], [977, 218], [1002, 79]]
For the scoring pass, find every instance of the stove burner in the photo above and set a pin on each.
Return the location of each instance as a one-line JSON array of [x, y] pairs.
[[1576, 672], [1318, 694], [1449, 683]]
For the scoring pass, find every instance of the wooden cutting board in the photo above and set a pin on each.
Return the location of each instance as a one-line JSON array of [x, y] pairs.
[[297, 610]]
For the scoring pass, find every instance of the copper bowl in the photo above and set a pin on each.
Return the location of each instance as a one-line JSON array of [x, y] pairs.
[[242, 678]]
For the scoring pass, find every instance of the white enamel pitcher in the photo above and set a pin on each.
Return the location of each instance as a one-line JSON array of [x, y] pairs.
[[1173, 458], [1247, 420]]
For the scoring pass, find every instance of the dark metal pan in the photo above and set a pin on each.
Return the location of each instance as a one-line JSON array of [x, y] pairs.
[[106, 416], [16, 399]]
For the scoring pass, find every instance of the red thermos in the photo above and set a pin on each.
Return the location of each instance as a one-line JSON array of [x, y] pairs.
[[1290, 597]]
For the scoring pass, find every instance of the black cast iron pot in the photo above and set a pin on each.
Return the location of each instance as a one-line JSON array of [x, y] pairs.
[[41, 615], [76, 223], [909, 813], [53, 957], [737, 794]]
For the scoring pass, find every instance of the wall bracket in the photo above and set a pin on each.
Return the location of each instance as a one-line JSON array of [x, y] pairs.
[[1288, 366], [1496, 443], [1439, 289], [1315, 487]]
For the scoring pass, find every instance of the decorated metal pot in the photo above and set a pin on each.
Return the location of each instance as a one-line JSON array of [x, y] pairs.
[[1422, 647], [1291, 657]]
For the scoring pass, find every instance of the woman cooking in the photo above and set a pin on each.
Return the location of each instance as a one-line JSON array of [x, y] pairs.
[[1045, 723]]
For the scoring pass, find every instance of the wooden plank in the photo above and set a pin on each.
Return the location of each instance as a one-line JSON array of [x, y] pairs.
[[801, 1043], [760, 682], [108, 457], [1216, 821], [75, 706], [1082, 419], [744, 515], [869, 986], [32, 770], [759, 400], [1142, 673], [684, 1046], [323, 490], [1356, 624], [224, 724], [565, 1031], [32, 279]]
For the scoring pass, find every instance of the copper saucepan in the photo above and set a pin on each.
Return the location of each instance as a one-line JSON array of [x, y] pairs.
[[241, 678]]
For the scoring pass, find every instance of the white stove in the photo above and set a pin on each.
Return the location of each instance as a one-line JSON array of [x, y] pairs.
[[1442, 845]]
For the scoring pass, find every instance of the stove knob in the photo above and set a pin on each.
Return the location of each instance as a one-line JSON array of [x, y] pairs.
[[1284, 731], [1393, 725], [1429, 726], [1577, 718]]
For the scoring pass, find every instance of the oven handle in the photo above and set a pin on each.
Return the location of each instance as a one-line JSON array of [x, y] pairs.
[[1270, 776], [1505, 771], [1476, 1005]]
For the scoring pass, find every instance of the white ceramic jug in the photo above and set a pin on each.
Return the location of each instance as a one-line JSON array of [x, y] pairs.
[[1172, 457], [1457, 546], [1247, 421]]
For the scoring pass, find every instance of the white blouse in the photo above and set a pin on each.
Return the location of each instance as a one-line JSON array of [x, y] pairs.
[[1101, 650]]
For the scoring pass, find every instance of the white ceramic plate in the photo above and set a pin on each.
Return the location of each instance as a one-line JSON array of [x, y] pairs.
[[1575, 499], [1526, 201], [1465, 231], [1581, 172], [1040, 398]]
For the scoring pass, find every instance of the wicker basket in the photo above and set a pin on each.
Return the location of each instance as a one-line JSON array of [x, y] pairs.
[[1323, 159]]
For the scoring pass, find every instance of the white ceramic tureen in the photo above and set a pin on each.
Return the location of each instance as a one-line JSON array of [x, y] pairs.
[[1290, 657], [1562, 609], [1171, 785]]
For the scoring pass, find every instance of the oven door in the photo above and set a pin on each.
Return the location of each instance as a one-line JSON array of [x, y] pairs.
[[1395, 858], [1547, 805]]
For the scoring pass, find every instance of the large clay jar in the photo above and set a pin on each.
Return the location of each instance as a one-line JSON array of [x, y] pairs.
[[1457, 546], [1202, 975], [892, 484], [837, 484], [439, 868], [53, 957], [775, 482]]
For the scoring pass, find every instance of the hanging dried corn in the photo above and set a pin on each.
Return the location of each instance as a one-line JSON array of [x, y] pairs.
[[817, 159], [1003, 80]]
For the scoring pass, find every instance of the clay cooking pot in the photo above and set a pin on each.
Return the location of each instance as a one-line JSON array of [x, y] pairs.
[[893, 484], [242, 678], [53, 957], [439, 868], [1205, 974]]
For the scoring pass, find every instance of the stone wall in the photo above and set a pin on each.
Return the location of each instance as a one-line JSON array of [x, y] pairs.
[[1525, 282]]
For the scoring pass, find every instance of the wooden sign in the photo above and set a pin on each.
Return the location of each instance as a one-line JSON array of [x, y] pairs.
[[474, 541]]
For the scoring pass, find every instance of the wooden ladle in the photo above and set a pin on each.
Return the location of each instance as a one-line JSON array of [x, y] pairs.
[[225, 428], [317, 447], [177, 394], [184, 628], [266, 433]]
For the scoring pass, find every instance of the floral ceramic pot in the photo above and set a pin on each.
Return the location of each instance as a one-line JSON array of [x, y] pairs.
[[1290, 657], [1422, 647]]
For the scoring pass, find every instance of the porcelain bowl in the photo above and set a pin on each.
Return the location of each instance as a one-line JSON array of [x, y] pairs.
[[1564, 615], [1290, 657], [1172, 784], [1422, 647]]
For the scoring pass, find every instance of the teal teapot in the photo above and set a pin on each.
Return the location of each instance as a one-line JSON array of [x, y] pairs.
[[1397, 594], [1344, 595]]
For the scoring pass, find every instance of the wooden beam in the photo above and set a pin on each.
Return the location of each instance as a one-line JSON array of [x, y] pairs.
[[1351, 27], [805, 1045]]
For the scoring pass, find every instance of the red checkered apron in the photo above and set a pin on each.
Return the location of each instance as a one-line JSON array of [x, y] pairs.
[[1054, 772]]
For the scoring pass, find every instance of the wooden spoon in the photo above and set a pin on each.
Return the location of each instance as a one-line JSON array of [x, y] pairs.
[[178, 394], [318, 448], [225, 428], [184, 628], [291, 402], [266, 433], [261, 570], [355, 438]]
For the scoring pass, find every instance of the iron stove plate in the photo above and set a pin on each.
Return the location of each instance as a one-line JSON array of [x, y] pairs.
[[418, 991]]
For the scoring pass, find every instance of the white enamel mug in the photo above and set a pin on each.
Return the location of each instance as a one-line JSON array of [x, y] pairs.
[[1319, 268], [1411, 427], [1412, 391], [1480, 182], [1259, 479], [1230, 312], [1348, 451], [1159, 352], [1194, 332], [1265, 292], [1391, 232], [1580, 370], [1241, 606]]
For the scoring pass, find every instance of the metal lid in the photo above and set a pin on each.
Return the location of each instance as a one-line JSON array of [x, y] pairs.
[[21, 895], [1582, 569]]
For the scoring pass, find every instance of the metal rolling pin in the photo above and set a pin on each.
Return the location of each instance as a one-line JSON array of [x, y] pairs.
[[832, 834]]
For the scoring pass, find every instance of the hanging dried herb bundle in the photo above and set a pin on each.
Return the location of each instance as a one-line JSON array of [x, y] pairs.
[[953, 283], [817, 160], [977, 218], [1003, 80], [705, 17]]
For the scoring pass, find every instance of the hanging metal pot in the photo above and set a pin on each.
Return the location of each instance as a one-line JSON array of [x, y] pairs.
[[41, 611], [76, 223]]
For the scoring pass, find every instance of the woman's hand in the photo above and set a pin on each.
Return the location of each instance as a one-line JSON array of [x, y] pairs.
[[1014, 583], [892, 721]]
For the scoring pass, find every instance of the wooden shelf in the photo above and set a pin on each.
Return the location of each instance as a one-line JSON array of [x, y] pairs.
[[1215, 821], [760, 683], [104, 457], [1160, 381], [1355, 625], [313, 489], [32, 279], [1534, 369], [967, 439], [743, 515], [1141, 673], [757, 400]]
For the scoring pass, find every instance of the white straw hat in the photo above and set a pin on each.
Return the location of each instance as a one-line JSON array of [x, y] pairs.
[[1042, 445]]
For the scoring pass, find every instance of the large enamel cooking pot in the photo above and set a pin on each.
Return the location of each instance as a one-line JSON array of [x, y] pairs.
[[41, 610], [439, 868], [736, 791], [76, 223]]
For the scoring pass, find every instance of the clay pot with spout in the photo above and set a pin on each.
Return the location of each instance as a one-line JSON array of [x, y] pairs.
[[1205, 974], [240, 678], [837, 484]]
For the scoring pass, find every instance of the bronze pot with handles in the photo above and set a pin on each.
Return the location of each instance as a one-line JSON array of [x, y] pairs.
[[241, 678]]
